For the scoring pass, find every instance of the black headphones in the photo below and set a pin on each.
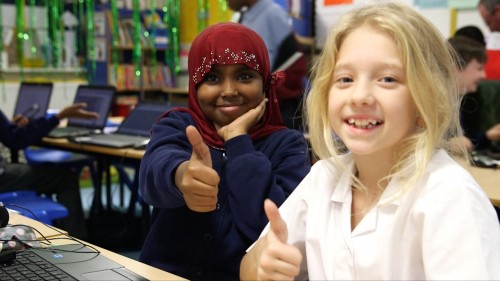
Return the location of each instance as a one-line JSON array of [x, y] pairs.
[[4, 215]]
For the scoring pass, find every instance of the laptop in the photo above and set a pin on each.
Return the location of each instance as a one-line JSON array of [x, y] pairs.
[[133, 131], [98, 99], [65, 262], [33, 99]]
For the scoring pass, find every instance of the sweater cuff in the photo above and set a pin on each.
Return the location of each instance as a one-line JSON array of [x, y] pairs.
[[238, 146], [53, 120]]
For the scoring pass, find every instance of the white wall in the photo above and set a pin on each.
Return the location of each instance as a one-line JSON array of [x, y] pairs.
[[441, 17], [63, 92], [472, 17]]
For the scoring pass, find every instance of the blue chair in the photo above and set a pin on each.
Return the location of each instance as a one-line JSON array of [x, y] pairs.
[[31, 205], [37, 156]]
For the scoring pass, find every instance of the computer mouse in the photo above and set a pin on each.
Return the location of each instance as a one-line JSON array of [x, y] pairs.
[[7, 256]]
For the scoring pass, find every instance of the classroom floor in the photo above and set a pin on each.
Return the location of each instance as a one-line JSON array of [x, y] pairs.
[[87, 195]]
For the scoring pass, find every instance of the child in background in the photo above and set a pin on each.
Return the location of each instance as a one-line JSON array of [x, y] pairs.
[[396, 206], [471, 59], [45, 179], [473, 32], [208, 168], [273, 24]]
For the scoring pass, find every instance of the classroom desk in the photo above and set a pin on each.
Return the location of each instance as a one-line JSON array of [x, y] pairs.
[[123, 153], [142, 269], [48, 232], [488, 179]]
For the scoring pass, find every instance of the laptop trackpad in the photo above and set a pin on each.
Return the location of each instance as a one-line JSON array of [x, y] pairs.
[[112, 275]]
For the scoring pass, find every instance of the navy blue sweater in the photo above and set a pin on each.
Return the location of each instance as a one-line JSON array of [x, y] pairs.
[[209, 246], [18, 138]]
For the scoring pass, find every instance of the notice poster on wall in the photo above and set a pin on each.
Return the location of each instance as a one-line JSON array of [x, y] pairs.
[[429, 4], [336, 2], [462, 4]]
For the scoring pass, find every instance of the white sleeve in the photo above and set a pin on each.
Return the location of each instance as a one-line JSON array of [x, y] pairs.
[[460, 232]]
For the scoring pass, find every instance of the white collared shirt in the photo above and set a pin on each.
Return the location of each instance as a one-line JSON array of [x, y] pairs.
[[444, 228]]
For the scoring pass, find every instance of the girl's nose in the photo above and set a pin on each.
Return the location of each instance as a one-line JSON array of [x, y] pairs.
[[228, 88], [362, 94]]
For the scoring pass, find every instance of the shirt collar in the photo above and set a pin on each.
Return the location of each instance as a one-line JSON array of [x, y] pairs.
[[342, 192], [259, 8]]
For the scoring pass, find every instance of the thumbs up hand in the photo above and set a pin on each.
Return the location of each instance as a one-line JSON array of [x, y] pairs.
[[278, 260], [196, 179]]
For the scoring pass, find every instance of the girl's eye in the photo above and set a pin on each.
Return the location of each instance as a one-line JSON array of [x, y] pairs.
[[245, 76], [344, 80], [210, 77], [388, 79]]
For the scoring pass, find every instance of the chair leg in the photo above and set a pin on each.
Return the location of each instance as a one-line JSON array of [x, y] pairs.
[[93, 174], [125, 180]]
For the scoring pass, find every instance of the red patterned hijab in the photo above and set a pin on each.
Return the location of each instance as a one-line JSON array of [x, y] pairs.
[[231, 43]]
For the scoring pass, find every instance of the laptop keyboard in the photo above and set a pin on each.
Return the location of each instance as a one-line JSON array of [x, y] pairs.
[[29, 266]]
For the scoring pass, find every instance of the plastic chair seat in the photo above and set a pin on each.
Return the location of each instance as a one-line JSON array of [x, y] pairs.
[[53, 156], [49, 156], [42, 208], [43, 155]]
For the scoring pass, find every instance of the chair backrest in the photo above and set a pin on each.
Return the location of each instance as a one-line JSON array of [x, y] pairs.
[[295, 72]]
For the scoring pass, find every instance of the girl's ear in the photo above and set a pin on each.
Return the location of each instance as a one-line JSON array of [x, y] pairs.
[[420, 122]]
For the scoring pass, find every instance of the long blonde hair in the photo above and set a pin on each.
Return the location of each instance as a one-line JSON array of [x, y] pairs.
[[432, 79]]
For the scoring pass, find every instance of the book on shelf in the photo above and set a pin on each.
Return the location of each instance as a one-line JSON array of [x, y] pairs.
[[128, 30], [156, 28], [123, 38], [160, 38], [152, 77]]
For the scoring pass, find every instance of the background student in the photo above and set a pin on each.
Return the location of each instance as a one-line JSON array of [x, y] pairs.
[[208, 168], [396, 206], [46, 179], [471, 57], [272, 23], [473, 32]]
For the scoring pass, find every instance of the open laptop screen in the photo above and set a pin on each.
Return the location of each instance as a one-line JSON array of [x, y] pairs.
[[141, 119], [98, 99], [33, 99]]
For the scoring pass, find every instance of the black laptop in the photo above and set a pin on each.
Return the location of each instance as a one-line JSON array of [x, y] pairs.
[[98, 99], [133, 131], [33, 99], [65, 262]]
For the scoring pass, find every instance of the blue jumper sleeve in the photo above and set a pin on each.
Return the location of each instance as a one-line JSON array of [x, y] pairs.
[[273, 172], [166, 150], [16, 137]]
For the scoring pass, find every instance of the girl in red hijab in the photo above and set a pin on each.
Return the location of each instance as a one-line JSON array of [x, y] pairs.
[[209, 167]]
